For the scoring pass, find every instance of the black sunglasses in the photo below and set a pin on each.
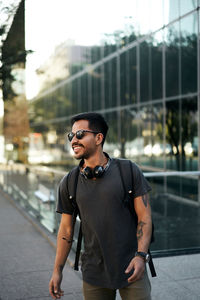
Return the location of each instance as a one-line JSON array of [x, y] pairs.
[[79, 134]]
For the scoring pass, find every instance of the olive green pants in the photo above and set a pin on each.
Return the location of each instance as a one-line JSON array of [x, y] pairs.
[[138, 290]]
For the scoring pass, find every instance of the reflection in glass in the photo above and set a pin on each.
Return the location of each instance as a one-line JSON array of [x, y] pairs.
[[107, 86], [187, 5], [130, 143], [145, 72], [133, 75], [112, 144], [113, 82], [84, 92], [173, 9], [110, 83], [96, 76], [62, 103], [125, 78], [74, 95], [172, 41], [95, 54], [181, 134], [151, 126], [189, 53], [156, 66]]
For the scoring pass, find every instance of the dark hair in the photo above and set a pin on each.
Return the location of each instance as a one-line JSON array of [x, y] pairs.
[[96, 122]]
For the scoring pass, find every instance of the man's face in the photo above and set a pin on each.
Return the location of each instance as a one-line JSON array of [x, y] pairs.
[[86, 146]]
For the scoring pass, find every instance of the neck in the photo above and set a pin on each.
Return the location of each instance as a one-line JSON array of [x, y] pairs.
[[98, 159]]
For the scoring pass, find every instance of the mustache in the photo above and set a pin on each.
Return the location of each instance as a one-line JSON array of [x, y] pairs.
[[77, 144]]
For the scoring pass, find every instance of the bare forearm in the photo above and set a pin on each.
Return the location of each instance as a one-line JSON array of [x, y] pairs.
[[64, 243], [144, 227], [144, 231]]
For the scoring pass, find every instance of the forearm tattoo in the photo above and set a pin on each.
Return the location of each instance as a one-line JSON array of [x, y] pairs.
[[145, 199], [69, 241], [68, 238], [139, 230]]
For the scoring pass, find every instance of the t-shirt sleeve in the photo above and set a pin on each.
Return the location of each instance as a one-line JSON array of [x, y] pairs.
[[64, 205], [140, 184]]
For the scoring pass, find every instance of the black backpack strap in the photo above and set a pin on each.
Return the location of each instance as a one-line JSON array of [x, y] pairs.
[[127, 187], [78, 248], [126, 167], [72, 181], [72, 187], [151, 265]]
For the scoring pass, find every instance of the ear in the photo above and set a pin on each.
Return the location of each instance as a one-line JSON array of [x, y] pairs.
[[99, 138]]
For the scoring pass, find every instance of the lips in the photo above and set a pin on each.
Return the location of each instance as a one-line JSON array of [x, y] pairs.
[[76, 147]]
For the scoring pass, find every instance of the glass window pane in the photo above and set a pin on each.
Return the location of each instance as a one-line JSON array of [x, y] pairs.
[[107, 84], [172, 60], [66, 93], [189, 134], [187, 5], [156, 66], [160, 150], [124, 78], [112, 145], [173, 8], [181, 134], [110, 83], [74, 96], [95, 54], [145, 71], [114, 82], [96, 75], [133, 75], [189, 54], [61, 103], [84, 92], [151, 132], [173, 133], [132, 144]]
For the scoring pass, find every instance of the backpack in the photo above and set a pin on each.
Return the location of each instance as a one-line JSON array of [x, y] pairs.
[[126, 172]]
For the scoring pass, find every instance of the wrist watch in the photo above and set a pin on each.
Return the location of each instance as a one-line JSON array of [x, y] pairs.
[[144, 255]]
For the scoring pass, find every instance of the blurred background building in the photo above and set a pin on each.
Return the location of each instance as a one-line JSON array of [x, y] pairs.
[[138, 63]]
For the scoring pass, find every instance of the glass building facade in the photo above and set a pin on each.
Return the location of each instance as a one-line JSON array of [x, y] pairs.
[[146, 85], [137, 63]]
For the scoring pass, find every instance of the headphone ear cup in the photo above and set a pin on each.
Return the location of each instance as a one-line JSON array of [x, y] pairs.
[[98, 171], [88, 172]]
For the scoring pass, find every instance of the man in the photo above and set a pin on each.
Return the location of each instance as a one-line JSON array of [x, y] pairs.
[[114, 252]]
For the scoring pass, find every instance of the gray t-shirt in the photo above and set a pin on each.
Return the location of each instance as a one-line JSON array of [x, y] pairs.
[[108, 227]]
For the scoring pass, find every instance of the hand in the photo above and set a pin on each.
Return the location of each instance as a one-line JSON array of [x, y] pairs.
[[54, 285], [138, 265]]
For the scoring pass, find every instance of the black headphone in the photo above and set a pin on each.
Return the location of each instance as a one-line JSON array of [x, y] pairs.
[[91, 173], [97, 172]]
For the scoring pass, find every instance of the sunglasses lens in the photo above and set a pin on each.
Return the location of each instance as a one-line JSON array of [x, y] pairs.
[[70, 136], [80, 134]]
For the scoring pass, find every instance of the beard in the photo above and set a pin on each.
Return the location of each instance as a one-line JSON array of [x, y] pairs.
[[85, 154]]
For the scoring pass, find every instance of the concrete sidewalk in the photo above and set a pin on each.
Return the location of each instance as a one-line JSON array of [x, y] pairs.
[[26, 259], [27, 254]]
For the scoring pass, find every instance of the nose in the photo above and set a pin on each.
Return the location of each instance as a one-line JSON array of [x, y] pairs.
[[74, 140]]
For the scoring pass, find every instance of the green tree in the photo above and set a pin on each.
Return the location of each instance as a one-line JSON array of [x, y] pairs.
[[12, 69]]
